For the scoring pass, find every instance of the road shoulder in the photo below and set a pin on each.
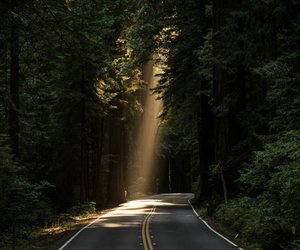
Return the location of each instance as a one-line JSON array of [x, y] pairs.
[[219, 229]]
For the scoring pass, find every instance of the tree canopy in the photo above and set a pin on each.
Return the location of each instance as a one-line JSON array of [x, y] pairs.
[[72, 97]]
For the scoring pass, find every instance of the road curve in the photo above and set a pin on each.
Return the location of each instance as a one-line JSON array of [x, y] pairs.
[[161, 222]]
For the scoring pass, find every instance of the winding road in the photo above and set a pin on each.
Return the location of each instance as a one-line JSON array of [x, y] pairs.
[[161, 222]]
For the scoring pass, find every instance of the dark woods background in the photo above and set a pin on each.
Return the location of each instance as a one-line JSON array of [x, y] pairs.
[[72, 98]]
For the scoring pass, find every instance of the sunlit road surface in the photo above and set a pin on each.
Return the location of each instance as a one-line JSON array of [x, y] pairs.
[[162, 222]]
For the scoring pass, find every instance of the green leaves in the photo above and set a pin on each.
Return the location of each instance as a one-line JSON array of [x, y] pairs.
[[21, 202], [271, 184]]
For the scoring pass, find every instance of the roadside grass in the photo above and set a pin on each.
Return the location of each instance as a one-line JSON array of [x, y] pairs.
[[53, 236], [235, 236], [229, 234], [63, 227]]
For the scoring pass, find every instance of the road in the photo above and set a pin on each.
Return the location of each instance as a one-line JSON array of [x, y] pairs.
[[162, 222]]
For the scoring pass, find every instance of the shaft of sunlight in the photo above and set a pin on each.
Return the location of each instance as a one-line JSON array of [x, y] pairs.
[[147, 138]]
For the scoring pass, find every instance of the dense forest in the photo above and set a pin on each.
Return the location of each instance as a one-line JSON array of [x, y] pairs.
[[73, 84]]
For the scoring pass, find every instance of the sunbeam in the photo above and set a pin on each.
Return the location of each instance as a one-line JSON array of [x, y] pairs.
[[148, 136]]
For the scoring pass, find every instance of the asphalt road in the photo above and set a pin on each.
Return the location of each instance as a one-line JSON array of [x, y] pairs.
[[162, 222]]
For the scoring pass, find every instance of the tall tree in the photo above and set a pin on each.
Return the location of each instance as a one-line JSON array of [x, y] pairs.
[[14, 129]]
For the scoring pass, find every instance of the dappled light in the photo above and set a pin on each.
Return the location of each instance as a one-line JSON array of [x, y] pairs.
[[132, 214], [105, 102], [109, 224]]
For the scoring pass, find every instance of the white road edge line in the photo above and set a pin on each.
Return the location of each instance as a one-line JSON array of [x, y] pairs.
[[76, 234], [206, 224]]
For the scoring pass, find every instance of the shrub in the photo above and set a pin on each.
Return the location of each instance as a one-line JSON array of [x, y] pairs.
[[269, 206]]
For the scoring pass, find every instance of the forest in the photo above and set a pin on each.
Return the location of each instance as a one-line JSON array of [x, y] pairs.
[[75, 77]]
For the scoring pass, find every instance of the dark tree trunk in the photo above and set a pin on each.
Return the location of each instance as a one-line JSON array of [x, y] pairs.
[[83, 144], [180, 172], [205, 128], [14, 127], [205, 123], [116, 186], [97, 182], [219, 88], [229, 97]]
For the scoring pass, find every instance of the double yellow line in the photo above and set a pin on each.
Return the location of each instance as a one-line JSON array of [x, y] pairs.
[[145, 231]]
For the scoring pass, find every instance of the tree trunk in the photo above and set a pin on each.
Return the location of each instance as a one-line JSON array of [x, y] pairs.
[[14, 128], [220, 86], [116, 186], [205, 128], [13, 240], [229, 94], [97, 183], [83, 149]]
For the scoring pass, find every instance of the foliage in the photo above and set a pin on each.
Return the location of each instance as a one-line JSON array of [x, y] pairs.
[[230, 122], [271, 183], [73, 86], [230, 88], [21, 202], [82, 209]]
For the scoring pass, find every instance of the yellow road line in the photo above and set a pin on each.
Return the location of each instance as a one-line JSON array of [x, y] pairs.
[[145, 231], [143, 235]]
